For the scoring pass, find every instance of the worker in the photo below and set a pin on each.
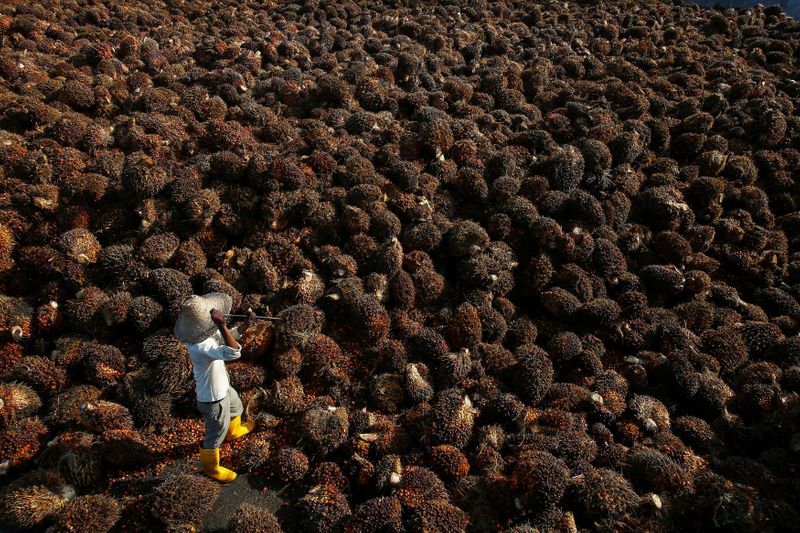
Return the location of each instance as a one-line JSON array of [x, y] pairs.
[[202, 326]]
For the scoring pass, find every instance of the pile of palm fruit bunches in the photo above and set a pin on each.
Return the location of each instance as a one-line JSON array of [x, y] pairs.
[[536, 265]]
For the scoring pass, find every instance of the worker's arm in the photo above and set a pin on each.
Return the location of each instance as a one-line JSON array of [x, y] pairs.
[[219, 319], [228, 338]]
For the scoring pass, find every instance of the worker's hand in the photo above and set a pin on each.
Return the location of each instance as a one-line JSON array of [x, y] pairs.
[[218, 317], [251, 316]]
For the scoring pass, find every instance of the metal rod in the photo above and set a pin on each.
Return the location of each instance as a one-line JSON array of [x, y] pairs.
[[256, 316]]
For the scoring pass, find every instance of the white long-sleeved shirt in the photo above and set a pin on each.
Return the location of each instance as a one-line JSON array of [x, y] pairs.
[[208, 364]]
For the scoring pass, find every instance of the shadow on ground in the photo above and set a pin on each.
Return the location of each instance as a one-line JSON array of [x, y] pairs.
[[246, 488]]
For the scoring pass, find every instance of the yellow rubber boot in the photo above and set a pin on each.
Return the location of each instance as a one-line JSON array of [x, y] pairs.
[[237, 429], [211, 468]]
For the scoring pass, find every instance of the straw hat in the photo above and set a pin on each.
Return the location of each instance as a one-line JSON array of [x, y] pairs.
[[194, 322]]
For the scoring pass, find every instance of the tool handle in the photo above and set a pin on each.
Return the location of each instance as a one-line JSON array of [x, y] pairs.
[[257, 316]]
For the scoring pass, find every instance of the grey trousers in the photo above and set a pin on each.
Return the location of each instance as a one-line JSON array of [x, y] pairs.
[[217, 416]]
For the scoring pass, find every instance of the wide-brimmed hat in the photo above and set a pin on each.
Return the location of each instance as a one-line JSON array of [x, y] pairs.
[[194, 322]]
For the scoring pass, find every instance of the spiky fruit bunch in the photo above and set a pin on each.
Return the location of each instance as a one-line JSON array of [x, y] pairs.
[[103, 364], [287, 396], [418, 385], [101, 415], [387, 392], [297, 324], [453, 418], [320, 351], [695, 432], [255, 453], [651, 469], [149, 408], [603, 494], [329, 473], [169, 287], [82, 311], [289, 464], [16, 316], [246, 375], [80, 245], [650, 413], [250, 518], [21, 441], [323, 509], [69, 352], [158, 249], [370, 318], [287, 362], [157, 347], [325, 428], [438, 515], [184, 500], [534, 373], [143, 176], [717, 500], [114, 311], [189, 258], [10, 354], [375, 515], [539, 478], [448, 461], [76, 457], [94, 512], [41, 374], [124, 447], [17, 401], [173, 374], [7, 245], [417, 485], [143, 311], [29, 506], [65, 408]]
